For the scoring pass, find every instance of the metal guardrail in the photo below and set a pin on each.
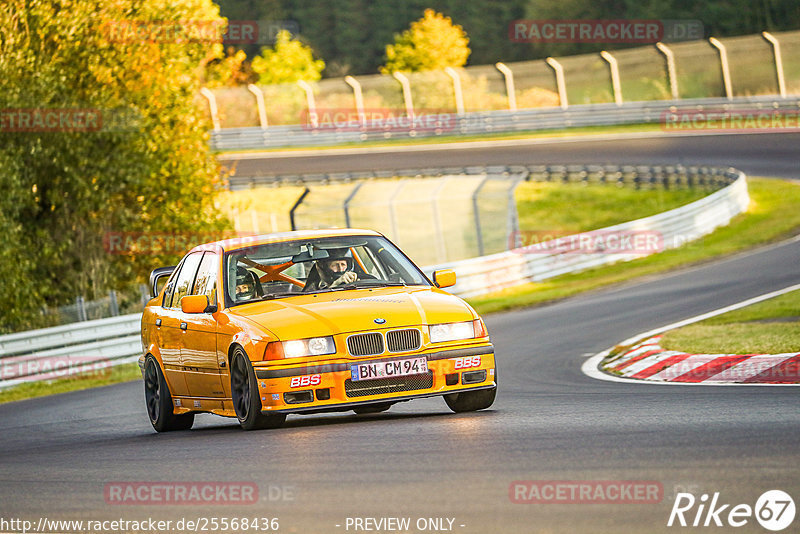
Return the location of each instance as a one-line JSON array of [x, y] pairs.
[[484, 122], [673, 228], [69, 349]]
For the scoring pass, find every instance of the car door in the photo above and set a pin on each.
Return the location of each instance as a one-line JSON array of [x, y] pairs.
[[169, 331], [201, 365]]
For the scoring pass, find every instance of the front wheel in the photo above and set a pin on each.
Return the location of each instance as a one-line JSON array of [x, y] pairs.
[[470, 401], [159, 400], [246, 397]]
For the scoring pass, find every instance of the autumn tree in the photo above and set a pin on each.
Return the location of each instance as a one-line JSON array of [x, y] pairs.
[[289, 60], [141, 166], [431, 43]]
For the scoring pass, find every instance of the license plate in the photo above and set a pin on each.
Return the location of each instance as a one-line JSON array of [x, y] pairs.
[[371, 371]]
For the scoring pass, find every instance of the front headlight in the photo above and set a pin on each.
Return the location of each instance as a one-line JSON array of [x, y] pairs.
[[456, 331], [298, 348]]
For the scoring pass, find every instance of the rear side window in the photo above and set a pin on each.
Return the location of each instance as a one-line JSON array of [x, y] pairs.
[[185, 280], [206, 280]]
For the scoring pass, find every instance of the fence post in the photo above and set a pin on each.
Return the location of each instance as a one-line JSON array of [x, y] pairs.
[[510, 90], [441, 247], [113, 305], [212, 107], [513, 216], [262, 109], [456, 89], [723, 61], [776, 50], [312, 106], [359, 97], [403, 79], [346, 206], [80, 306], [614, 67], [477, 214], [562, 86], [393, 211], [299, 201], [671, 73]]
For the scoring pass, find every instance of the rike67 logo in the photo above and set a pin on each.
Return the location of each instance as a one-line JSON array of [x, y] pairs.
[[774, 510]]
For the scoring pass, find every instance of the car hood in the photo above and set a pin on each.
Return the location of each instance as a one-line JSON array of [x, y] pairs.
[[337, 312]]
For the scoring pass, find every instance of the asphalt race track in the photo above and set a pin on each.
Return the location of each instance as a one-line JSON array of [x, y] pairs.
[[550, 422], [755, 154]]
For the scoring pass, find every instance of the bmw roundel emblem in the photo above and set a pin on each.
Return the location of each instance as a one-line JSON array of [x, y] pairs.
[[379, 320]]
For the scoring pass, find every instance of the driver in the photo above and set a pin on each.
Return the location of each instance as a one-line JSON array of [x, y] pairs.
[[336, 269], [245, 287]]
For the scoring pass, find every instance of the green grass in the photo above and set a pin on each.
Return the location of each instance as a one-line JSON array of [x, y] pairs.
[[769, 327], [121, 373], [772, 215]]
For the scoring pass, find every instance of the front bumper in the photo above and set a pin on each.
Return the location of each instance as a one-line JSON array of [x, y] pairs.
[[328, 386]]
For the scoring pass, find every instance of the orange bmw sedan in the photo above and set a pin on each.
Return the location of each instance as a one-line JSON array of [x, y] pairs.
[[307, 322]]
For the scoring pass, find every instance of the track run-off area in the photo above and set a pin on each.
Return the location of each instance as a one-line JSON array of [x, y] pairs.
[[550, 427]]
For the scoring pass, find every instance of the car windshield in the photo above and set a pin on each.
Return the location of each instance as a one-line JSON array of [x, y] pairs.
[[289, 268]]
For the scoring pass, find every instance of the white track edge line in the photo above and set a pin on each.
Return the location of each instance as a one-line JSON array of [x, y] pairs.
[[591, 367]]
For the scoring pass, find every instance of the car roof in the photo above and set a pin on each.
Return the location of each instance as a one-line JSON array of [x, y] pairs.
[[255, 240]]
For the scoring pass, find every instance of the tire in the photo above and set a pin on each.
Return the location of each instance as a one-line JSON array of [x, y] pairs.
[[471, 401], [245, 395], [372, 408], [158, 400]]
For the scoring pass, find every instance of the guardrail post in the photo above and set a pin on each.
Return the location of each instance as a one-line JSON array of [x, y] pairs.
[[510, 90], [299, 201], [477, 214], [723, 61], [312, 106], [614, 67], [403, 79], [671, 73], [456, 89], [359, 97], [562, 86], [262, 110], [776, 50], [212, 107], [347, 203]]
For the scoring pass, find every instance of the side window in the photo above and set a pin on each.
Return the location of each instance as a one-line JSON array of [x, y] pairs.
[[185, 279], [167, 302], [206, 281]]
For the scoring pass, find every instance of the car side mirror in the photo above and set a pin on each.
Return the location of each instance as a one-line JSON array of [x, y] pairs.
[[196, 304], [444, 278]]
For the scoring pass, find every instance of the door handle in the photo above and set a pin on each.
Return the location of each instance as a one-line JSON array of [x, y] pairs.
[[183, 326], [158, 322]]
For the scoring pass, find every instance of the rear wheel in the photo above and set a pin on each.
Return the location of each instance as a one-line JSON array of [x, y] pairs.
[[159, 400], [470, 401], [246, 397]]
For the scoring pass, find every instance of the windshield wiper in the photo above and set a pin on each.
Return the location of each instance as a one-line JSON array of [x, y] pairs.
[[272, 296], [374, 283]]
